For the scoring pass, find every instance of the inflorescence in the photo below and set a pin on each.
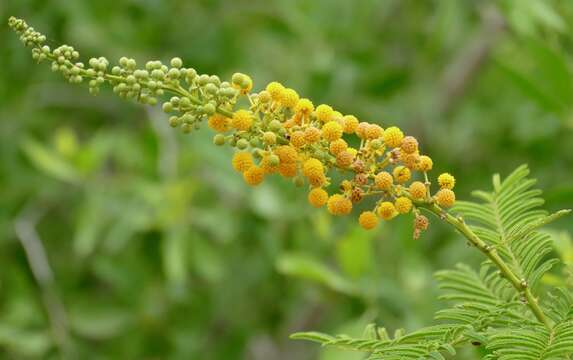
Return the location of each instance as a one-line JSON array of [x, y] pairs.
[[273, 131]]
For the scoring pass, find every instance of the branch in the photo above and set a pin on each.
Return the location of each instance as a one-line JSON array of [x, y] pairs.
[[25, 227]]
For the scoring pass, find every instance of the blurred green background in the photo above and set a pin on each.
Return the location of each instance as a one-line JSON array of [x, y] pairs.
[[122, 239]]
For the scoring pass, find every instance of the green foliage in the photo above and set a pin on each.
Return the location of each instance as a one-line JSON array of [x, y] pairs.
[[488, 309]]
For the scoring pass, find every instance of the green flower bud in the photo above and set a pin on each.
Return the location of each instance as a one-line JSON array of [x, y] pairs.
[[275, 125], [242, 144], [187, 118], [274, 160], [203, 80], [264, 96], [269, 138], [173, 121], [185, 102], [167, 107], [214, 79], [211, 88], [219, 139], [237, 79], [176, 62], [186, 128], [255, 142], [376, 144], [209, 109]]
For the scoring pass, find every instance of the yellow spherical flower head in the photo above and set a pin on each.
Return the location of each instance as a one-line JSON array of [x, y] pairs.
[[324, 113], [368, 220], [311, 135], [242, 161], [425, 163], [410, 160], [446, 181], [338, 146], [331, 131], [361, 129], [276, 90], [314, 171], [401, 174], [242, 120], [344, 158], [409, 145], [373, 131], [383, 180], [418, 190], [350, 123], [287, 154], [339, 205], [219, 123], [386, 210], [304, 107], [317, 197], [445, 197], [289, 98], [403, 205], [393, 136], [254, 175], [297, 139], [287, 170]]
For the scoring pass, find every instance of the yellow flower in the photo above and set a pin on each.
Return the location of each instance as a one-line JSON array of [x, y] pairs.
[[418, 190], [386, 210], [331, 131], [313, 169], [219, 123], [368, 220], [242, 161], [350, 123], [276, 90], [410, 160], [373, 131], [403, 205], [289, 98], [287, 154], [401, 174], [361, 129], [409, 145], [297, 139], [425, 163], [393, 136], [324, 113], [311, 135], [446, 181], [317, 197], [344, 159], [445, 197], [254, 175], [339, 205], [304, 107], [287, 170], [383, 180], [242, 120], [338, 146]]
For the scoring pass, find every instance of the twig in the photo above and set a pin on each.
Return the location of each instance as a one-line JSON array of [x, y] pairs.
[[25, 227]]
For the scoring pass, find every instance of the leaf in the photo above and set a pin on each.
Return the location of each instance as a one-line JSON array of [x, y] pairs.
[[49, 162], [306, 267]]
